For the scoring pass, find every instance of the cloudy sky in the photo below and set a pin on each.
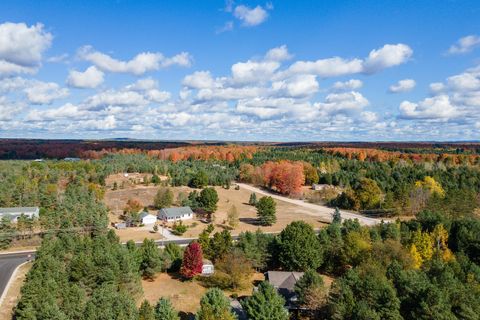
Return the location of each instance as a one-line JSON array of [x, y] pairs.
[[240, 70]]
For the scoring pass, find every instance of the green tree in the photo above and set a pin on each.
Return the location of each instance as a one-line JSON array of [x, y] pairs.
[[232, 217], [220, 244], [163, 198], [299, 247], [336, 217], [369, 194], [199, 180], [253, 199], [208, 200], [265, 304], [310, 290], [256, 247], [164, 310], [151, 261], [266, 211], [172, 256], [215, 306], [146, 311]]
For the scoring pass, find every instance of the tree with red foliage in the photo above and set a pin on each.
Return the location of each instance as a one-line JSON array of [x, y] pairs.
[[284, 176], [192, 261]]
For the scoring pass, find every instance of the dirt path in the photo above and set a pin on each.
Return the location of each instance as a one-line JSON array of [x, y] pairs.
[[323, 212]]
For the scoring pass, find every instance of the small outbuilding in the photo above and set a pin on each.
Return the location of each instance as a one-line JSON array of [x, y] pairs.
[[14, 213], [175, 214], [207, 267], [147, 218]]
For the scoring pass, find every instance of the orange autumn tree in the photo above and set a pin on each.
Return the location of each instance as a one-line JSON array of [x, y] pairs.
[[284, 176]]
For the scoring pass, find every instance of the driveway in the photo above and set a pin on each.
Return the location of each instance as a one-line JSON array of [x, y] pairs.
[[323, 212]]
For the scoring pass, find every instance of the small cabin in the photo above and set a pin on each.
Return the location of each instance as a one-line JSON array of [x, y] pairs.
[[14, 213], [207, 267]]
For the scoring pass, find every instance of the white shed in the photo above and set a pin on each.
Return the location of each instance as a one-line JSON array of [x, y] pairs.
[[147, 218], [207, 267]]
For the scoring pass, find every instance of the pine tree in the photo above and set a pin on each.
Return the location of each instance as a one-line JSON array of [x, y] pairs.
[[146, 311], [192, 261], [336, 217], [215, 306], [253, 199], [151, 260], [266, 208], [232, 217], [165, 311], [265, 304]]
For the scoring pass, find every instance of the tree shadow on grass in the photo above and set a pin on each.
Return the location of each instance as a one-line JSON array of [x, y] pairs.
[[252, 221]]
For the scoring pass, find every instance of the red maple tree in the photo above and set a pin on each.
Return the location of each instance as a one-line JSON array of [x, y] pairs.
[[192, 261]]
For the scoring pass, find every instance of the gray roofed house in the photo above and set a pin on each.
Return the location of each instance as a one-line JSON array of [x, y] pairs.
[[285, 282], [14, 213], [173, 214]]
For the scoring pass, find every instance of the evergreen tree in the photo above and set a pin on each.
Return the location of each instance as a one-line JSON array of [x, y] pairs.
[[151, 260], [192, 261], [215, 306], [266, 208], [146, 311], [164, 310], [208, 200], [199, 180], [265, 304], [253, 199], [299, 247], [336, 217]]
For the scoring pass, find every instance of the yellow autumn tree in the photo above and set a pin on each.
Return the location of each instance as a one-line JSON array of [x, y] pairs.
[[417, 258], [440, 237], [423, 242], [431, 185]]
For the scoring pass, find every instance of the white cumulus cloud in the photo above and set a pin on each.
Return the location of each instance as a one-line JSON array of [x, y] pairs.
[[250, 16], [404, 85], [22, 47], [138, 65], [90, 78], [39, 92], [465, 45]]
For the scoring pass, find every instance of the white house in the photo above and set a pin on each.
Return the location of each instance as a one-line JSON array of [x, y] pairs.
[[207, 267], [147, 218], [14, 213], [174, 214]]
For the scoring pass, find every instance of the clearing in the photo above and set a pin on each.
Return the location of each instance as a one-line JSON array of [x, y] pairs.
[[286, 211]]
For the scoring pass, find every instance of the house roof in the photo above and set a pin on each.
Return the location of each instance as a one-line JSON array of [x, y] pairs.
[[207, 262], [173, 212], [19, 210], [284, 282], [145, 214]]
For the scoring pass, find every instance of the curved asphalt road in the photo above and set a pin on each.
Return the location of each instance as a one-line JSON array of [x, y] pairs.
[[8, 263]]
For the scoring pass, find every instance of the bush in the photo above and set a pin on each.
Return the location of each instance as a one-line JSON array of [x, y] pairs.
[[179, 228]]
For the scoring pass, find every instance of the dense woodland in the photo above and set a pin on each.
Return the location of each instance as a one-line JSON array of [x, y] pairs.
[[425, 267]]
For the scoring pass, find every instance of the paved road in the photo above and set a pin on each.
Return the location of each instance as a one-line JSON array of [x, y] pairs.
[[8, 263], [316, 210]]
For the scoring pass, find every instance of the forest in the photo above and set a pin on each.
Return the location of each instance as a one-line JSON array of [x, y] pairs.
[[424, 265]]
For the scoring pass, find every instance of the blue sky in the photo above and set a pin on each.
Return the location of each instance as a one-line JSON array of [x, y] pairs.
[[240, 70]]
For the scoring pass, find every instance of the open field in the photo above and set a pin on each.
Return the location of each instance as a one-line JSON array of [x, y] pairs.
[[184, 295], [286, 212]]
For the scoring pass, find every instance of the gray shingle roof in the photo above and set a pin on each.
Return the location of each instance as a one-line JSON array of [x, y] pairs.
[[284, 282], [174, 212]]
